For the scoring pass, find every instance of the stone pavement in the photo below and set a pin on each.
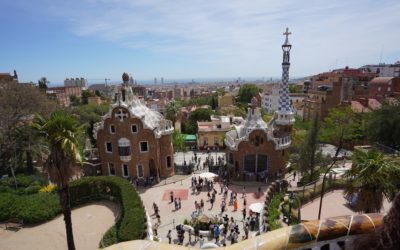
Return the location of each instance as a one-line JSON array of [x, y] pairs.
[[171, 217], [334, 204]]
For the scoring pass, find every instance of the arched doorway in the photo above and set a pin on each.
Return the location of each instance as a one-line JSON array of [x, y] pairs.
[[153, 170]]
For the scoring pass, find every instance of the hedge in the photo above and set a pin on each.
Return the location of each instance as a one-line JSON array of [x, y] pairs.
[[274, 212], [131, 224], [32, 209], [41, 207]]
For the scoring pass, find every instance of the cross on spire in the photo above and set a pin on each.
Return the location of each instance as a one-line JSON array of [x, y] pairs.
[[287, 33], [121, 115]]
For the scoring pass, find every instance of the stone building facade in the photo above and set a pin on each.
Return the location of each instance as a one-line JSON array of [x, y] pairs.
[[134, 141], [256, 149]]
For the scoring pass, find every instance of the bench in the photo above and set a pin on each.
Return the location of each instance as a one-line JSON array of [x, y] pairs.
[[14, 223]]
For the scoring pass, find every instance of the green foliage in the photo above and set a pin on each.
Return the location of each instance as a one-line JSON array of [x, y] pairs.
[[274, 212], [239, 112], [41, 207], [32, 209], [74, 100], [383, 125], [178, 141], [86, 94], [246, 92], [341, 126], [42, 83], [109, 238], [300, 124], [173, 111], [197, 101], [190, 127], [131, 224], [307, 156], [89, 115], [371, 178], [32, 189], [295, 88]]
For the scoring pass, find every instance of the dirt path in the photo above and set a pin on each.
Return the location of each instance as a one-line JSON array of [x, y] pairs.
[[89, 224]]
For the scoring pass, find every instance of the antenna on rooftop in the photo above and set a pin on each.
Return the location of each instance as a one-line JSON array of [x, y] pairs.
[[380, 57]]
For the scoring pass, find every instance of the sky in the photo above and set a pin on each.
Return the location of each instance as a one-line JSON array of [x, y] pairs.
[[193, 39]]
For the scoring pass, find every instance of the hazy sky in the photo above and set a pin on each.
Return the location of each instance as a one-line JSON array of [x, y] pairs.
[[192, 39]]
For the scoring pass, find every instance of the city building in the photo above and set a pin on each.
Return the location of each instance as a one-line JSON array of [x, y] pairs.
[[210, 134], [134, 141], [76, 82], [63, 94], [331, 89], [270, 101], [255, 149], [383, 70], [7, 77], [94, 100]]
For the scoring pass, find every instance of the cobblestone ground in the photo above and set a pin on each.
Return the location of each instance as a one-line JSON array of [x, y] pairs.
[[171, 217]]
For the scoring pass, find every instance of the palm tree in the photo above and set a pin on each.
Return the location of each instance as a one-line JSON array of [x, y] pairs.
[[173, 111], [372, 178], [62, 133]]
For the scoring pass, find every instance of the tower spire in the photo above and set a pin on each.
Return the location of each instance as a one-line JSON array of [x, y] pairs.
[[285, 112]]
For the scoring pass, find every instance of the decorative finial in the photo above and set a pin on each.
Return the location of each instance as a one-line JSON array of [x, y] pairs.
[[287, 33]]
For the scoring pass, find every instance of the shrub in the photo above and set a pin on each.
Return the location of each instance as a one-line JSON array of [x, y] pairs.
[[274, 213], [130, 225], [109, 238], [31, 209], [37, 208], [32, 189], [7, 201]]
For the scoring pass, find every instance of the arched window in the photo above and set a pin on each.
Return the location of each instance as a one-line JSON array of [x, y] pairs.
[[124, 149]]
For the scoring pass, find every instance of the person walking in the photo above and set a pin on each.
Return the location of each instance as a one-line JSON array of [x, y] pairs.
[[171, 195], [169, 237], [244, 202], [176, 203], [201, 205], [158, 218], [212, 202], [244, 213], [179, 203], [235, 205], [244, 192], [201, 241], [196, 233]]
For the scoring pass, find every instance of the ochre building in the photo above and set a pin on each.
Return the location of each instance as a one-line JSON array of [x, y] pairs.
[[134, 141]]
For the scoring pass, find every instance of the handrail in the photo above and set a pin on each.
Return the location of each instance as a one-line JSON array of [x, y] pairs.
[[291, 237]]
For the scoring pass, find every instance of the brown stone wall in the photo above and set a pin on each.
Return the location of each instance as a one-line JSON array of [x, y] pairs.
[[123, 130], [276, 159]]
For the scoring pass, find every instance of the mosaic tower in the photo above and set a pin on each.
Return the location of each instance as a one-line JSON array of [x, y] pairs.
[[285, 114]]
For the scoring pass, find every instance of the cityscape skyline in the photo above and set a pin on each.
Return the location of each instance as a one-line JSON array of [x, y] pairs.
[[192, 40]]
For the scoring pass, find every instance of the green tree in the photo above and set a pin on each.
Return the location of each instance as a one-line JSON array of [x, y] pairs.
[[42, 83], [62, 134], [246, 92], [85, 95], [308, 155], [178, 141], [341, 126], [383, 125], [74, 100], [371, 178], [18, 103], [295, 88], [173, 111], [88, 115], [195, 116]]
